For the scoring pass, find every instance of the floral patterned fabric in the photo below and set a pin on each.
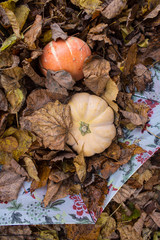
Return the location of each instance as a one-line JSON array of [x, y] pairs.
[[27, 209]]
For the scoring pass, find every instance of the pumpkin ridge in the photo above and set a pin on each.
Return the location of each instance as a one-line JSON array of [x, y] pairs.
[[54, 54]]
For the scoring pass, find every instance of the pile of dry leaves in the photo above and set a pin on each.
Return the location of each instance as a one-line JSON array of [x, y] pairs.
[[134, 213], [124, 39]]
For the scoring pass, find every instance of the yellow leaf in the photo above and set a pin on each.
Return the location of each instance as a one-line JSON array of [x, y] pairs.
[[31, 168], [88, 5], [16, 99], [21, 14], [48, 235], [8, 144], [9, 42], [80, 165], [110, 94], [144, 44]]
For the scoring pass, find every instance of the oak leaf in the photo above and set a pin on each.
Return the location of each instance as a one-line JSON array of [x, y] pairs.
[[50, 123]]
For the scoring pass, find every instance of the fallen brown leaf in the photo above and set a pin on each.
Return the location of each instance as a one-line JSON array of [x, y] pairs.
[[52, 189], [20, 232], [57, 32], [63, 78], [58, 176], [3, 102], [16, 99], [18, 168], [130, 59], [138, 226], [80, 165], [114, 8], [113, 152], [96, 70], [82, 231], [31, 168], [38, 98], [110, 94], [8, 83], [127, 232], [153, 13], [134, 118], [123, 194], [29, 71], [10, 184], [50, 123], [43, 175], [87, 5], [142, 76], [156, 217], [33, 33]]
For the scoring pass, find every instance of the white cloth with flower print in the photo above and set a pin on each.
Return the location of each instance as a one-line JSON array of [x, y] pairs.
[[27, 209]]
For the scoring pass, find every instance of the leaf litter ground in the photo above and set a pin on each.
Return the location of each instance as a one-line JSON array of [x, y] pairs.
[[35, 119]]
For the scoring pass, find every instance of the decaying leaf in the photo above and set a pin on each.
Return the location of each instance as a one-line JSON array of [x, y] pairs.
[[43, 174], [142, 76], [108, 225], [18, 168], [127, 232], [96, 70], [110, 94], [114, 8], [8, 83], [63, 78], [31, 168], [94, 195], [50, 123], [38, 98], [138, 226], [58, 176], [3, 102], [113, 152], [88, 5], [29, 71], [57, 32], [80, 165], [123, 194], [16, 72], [24, 139], [8, 144], [52, 189], [153, 13], [48, 235], [130, 59], [98, 33], [135, 118], [33, 33], [156, 217], [82, 231], [10, 184], [9, 42], [16, 99]]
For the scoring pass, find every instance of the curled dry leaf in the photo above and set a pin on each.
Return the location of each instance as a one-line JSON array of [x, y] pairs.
[[52, 189], [29, 71], [43, 174], [114, 8], [80, 165], [97, 33], [33, 33], [51, 124], [3, 102], [110, 94], [138, 226], [153, 13], [96, 70], [123, 194], [31, 168], [156, 217], [142, 76], [58, 176], [135, 118], [57, 32], [10, 184]]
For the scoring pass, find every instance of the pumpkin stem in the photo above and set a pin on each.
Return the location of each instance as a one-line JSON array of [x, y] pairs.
[[84, 128]]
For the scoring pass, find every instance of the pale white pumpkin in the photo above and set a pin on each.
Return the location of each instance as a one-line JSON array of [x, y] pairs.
[[93, 129]]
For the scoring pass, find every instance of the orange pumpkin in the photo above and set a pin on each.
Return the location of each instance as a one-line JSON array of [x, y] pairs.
[[68, 55]]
